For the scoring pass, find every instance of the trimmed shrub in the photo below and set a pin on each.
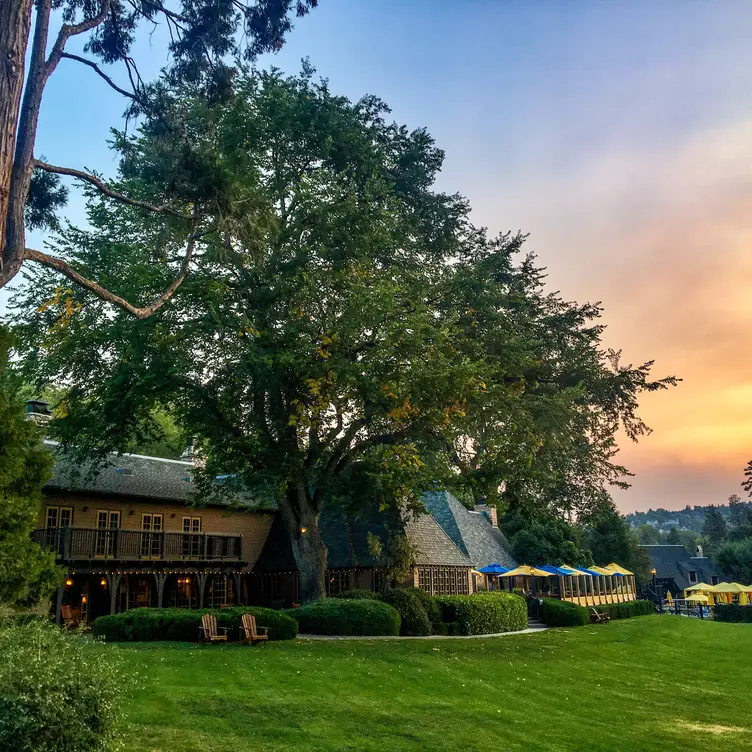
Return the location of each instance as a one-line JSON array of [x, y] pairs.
[[359, 595], [415, 621], [483, 613], [429, 605], [335, 616], [732, 612], [150, 624], [58, 692], [626, 610], [558, 613]]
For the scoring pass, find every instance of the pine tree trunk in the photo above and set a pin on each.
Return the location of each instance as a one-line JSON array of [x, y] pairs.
[[302, 522], [15, 22]]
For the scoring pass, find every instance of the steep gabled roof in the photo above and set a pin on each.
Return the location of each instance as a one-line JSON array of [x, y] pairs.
[[675, 563], [472, 532]]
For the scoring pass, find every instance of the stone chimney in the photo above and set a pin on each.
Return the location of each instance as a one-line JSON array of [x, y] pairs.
[[38, 411], [698, 552], [490, 512]]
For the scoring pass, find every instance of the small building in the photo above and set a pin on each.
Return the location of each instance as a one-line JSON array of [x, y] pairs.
[[676, 569]]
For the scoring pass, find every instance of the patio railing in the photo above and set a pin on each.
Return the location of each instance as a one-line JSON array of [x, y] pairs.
[[88, 544]]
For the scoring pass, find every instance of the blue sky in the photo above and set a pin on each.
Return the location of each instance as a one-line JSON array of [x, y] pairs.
[[619, 135]]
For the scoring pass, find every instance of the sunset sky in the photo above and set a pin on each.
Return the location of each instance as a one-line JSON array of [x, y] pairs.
[[619, 135]]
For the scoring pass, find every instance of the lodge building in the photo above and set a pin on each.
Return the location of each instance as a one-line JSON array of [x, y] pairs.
[[129, 537]]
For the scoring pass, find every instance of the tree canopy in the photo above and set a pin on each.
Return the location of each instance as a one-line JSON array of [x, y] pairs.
[[206, 40], [341, 315]]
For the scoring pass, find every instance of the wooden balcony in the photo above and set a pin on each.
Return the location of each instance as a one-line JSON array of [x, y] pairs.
[[76, 544]]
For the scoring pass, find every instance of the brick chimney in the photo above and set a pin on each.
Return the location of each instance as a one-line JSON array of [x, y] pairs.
[[38, 411], [490, 512]]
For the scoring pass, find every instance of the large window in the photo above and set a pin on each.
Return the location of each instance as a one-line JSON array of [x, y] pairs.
[[337, 581], [191, 537], [443, 580], [59, 517], [108, 520], [151, 539]]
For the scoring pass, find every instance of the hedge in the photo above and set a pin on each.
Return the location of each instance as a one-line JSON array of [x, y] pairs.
[[430, 606], [338, 616], [151, 624], [558, 613], [483, 613], [732, 612], [359, 595], [626, 610], [415, 621]]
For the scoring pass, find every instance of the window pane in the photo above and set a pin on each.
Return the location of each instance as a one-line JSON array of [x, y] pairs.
[[66, 516], [52, 516]]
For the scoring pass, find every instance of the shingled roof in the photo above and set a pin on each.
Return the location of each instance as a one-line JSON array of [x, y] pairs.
[[675, 563], [125, 475], [472, 532]]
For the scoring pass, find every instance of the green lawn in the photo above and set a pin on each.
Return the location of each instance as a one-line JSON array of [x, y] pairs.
[[657, 682]]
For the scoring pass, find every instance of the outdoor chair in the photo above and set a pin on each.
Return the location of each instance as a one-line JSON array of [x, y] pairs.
[[598, 617], [248, 627], [67, 616], [208, 629]]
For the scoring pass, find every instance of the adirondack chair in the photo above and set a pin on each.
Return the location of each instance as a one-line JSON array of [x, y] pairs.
[[208, 629], [67, 615], [598, 617], [248, 627]]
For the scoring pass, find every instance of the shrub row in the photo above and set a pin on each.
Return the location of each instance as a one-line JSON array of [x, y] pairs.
[[627, 610], [732, 612], [341, 616], [149, 624], [483, 613], [558, 613]]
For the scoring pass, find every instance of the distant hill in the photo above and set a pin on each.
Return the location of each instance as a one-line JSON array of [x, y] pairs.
[[689, 518]]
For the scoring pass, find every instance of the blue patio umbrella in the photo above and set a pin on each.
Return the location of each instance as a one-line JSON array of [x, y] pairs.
[[556, 570], [493, 569]]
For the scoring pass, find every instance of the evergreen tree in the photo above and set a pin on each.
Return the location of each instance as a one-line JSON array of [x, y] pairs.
[[714, 528], [673, 538], [27, 573]]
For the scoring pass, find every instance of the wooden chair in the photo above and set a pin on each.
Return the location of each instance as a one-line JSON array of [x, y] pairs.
[[208, 629], [252, 636], [66, 612], [598, 617]]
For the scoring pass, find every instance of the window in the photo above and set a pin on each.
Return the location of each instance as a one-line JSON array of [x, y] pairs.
[[443, 580], [714, 580], [107, 520], [337, 581], [218, 591], [693, 577], [192, 537], [59, 516], [151, 538]]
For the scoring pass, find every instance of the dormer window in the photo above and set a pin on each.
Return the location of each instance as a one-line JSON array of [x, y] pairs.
[[693, 577]]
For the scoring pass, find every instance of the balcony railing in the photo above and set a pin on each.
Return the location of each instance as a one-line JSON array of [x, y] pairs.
[[88, 544]]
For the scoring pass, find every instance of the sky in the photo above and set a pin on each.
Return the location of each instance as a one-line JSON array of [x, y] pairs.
[[618, 135]]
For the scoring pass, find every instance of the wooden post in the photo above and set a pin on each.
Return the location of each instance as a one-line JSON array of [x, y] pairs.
[[577, 582], [201, 577], [113, 582], [239, 596], [161, 579], [59, 605]]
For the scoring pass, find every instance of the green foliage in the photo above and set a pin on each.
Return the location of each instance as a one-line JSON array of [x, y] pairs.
[[648, 535], [149, 624], [735, 560], [414, 617], [732, 612], [58, 692], [558, 613], [333, 616], [673, 538], [484, 613], [547, 541], [430, 606], [628, 609], [27, 573], [714, 527], [359, 595]]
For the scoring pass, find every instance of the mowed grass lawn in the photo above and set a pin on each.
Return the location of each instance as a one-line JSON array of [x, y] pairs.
[[657, 682]]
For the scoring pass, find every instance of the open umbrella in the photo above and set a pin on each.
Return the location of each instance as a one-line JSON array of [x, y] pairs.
[[527, 571], [701, 586], [493, 569], [616, 569], [698, 598]]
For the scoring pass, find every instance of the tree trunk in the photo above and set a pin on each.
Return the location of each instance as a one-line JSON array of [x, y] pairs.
[[15, 23], [301, 519]]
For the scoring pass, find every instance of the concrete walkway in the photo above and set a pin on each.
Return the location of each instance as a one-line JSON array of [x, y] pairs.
[[532, 629]]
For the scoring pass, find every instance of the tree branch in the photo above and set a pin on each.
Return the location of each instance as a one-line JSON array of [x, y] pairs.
[[140, 313], [97, 183], [105, 77]]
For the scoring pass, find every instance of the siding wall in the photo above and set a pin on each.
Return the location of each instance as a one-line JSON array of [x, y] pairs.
[[253, 526]]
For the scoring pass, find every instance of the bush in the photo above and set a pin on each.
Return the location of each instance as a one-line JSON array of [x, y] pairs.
[[483, 613], [627, 610], [359, 595], [558, 613], [150, 624], [57, 693], [336, 616], [429, 605], [732, 612], [415, 621]]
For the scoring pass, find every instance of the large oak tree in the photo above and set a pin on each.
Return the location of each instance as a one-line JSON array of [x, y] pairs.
[[344, 320]]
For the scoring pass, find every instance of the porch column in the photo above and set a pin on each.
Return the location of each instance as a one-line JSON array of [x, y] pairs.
[[201, 577], [113, 582], [238, 579], [59, 605], [161, 578]]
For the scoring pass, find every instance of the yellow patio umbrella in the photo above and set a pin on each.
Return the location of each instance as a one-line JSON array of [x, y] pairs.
[[669, 597], [728, 587], [614, 568], [526, 571], [601, 570], [699, 598], [743, 598], [701, 586]]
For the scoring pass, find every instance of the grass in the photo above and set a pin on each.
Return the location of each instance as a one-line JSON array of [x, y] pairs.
[[649, 683]]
